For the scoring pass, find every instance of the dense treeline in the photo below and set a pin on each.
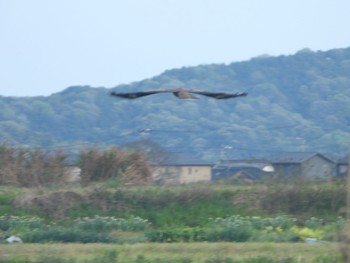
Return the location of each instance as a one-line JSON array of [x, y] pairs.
[[296, 103]]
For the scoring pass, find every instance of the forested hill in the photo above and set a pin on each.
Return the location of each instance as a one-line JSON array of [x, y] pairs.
[[299, 102]]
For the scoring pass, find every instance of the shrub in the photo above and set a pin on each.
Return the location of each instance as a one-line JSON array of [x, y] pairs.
[[60, 234], [101, 165], [234, 228], [9, 222], [241, 229], [100, 223], [326, 199], [283, 222], [232, 232], [278, 234], [30, 167], [313, 223], [305, 232], [338, 224], [179, 234]]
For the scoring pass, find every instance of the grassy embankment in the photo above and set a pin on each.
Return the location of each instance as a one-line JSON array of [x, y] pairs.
[[181, 205]]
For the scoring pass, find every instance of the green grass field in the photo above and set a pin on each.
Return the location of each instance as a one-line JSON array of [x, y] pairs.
[[178, 211], [179, 252]]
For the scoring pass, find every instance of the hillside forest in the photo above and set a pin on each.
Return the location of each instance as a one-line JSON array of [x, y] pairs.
[[299, 102]]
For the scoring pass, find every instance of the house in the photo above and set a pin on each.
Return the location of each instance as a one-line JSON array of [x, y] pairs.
[[246, 171], [181, 169], [306, 165], [170, 168], [245, 175], [342, 166]]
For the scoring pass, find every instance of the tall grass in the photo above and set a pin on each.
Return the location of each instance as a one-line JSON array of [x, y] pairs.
[[324, 200], [193, 205], [189, 206], [30, 167], [100, 165], [36, 167]]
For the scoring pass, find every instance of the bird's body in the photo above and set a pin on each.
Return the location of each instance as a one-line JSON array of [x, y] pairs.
[[181, 93]]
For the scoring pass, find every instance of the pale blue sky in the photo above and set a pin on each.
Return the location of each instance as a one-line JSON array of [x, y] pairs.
[[48, 45]]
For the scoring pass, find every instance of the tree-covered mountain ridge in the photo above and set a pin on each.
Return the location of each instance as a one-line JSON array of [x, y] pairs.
[[298, 102]]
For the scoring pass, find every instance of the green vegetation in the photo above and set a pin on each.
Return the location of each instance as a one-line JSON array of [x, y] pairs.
[[115, 196], [212, 213], [157, 224], [120, 230], [297, 102]]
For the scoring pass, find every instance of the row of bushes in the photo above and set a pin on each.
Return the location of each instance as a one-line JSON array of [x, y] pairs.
[[83, 230], [241, 229], [94, 224], [29, 168], [37, 167], [101, 223], [305, 197], [234, 232], [234, 228]]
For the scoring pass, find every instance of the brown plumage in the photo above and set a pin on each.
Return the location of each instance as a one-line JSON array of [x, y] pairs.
[[181, 93]]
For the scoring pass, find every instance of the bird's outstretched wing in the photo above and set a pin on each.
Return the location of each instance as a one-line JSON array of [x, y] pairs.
[[135, 95], [181, 93], [219, 95]]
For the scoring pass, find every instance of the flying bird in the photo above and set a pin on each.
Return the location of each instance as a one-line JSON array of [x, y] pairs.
[[181, 93]]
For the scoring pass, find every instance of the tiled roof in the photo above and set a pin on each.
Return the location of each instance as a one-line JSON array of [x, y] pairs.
[[252, 172], [344, 160], [174, 159], [295, 157]]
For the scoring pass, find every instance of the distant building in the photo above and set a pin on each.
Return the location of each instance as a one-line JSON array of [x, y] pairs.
[[298, 164], [306, 165], [169, 168], [246, 171], [343, 166], [181, 169]]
